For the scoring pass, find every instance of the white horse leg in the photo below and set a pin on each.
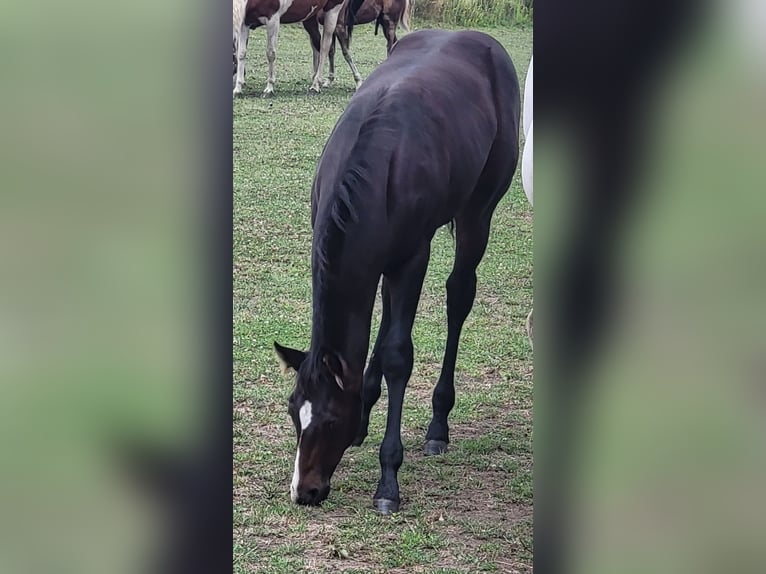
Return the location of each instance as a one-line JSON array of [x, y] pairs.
[[272, 35], [244, 35], [526, 164], [328, 30]]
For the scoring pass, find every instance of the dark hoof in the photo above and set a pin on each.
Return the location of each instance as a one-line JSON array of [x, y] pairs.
[[385, 506], [435, 447]]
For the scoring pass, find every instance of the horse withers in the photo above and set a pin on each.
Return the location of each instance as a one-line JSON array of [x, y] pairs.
[[431, 137]]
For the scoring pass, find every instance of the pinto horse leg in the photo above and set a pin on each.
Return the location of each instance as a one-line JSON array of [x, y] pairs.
[[272, 37], [344, 41], [396, 357], [244, 35], [315, 37], [461, 291], [331, 56], [374, 373], [328, 31], [389, 31]]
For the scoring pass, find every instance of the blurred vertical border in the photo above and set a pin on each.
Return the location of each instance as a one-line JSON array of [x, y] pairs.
[[649, 303], [115, 302]]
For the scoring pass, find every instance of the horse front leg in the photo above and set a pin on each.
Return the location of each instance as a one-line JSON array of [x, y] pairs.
[[328, 31], [396, 358]]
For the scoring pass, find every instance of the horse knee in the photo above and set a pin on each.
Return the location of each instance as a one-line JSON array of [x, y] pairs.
[[397, 358], [461, 285]]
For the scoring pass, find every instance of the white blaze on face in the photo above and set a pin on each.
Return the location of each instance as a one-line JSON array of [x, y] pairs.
[[304, 414]]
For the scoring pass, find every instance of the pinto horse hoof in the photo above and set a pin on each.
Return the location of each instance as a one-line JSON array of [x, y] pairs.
[[385, 505], [435, 447]]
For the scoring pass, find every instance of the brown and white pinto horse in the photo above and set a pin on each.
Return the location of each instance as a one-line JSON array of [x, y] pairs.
[[272, 13], [388, 14]]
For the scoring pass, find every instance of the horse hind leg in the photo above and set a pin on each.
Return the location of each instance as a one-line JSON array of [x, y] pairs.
[[374, 373], [471, 243], [241, 58], [344, 41], [328, 32], [396, 356], [315, 38], [272, 38], [389, 31], [331, 56]]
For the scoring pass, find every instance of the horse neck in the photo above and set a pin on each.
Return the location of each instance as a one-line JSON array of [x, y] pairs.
[[342, 315]]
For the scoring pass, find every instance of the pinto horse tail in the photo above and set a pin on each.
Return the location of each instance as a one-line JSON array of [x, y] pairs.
[[404, 19], [351, 9]]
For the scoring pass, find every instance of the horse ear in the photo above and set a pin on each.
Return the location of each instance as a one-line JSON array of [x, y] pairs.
[[289, 358], [337, 367]]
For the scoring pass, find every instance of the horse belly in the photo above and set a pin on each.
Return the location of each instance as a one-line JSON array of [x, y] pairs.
[[257, 12], [301, 10], [368, 12]]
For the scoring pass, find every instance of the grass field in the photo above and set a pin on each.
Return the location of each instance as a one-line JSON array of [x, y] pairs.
[[467, 511]]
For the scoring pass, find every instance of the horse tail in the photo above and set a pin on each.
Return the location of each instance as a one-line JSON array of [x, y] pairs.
[[404, 18], [351, 9]]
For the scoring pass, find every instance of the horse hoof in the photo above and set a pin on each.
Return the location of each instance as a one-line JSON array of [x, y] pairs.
[[385, 505], [435, 447], [327, 83]]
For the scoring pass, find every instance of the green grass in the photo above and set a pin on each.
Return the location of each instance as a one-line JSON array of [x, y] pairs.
[[467, 511]]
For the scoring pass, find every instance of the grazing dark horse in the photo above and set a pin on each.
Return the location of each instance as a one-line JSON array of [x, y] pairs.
[[431, 137], [388, 14]]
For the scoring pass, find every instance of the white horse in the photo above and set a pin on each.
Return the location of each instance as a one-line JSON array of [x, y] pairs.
[[526, 160], [526, 163], [271, 15]]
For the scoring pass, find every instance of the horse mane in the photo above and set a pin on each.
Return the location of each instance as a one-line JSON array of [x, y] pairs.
[[377, 139]]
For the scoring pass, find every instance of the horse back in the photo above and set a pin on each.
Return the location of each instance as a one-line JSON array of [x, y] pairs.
[[428, 126]]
